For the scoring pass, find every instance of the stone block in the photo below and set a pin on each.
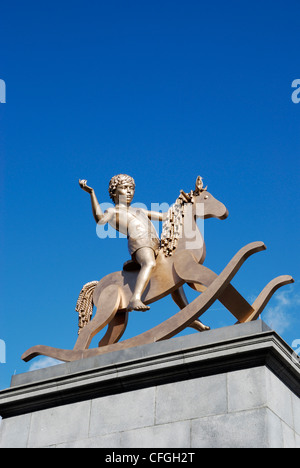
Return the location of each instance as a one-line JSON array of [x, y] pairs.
[[273, 430], [14, 431], [120, 412], [57, 425], [296, 412], [245, 429], [279, 399], [104, 441], [190, 399], [247, 389], [173, 435]]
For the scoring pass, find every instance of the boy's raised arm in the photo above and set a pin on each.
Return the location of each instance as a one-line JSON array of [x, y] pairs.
[[98, 214]]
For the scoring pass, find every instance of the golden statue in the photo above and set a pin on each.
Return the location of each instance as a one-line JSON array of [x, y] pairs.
[[158, 267]]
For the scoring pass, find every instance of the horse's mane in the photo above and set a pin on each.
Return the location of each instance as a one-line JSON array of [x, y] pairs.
[[172, 227]]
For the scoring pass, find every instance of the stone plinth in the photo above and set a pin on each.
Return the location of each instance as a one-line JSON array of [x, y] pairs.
[[232, 387]]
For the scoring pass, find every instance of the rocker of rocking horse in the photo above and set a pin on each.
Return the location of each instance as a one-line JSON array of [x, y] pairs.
[[156, 270]]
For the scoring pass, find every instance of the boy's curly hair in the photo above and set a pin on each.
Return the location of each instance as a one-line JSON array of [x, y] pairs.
[[119, 179]]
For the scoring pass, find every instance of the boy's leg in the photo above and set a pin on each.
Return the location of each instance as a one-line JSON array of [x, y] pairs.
[[146, 258]]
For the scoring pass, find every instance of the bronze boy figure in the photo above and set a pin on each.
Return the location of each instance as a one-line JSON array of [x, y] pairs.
[[143, 241]]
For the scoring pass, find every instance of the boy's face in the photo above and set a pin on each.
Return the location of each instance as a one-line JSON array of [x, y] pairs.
[[124, 193]]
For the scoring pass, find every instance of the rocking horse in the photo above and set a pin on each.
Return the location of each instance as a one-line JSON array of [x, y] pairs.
[[179, 261]]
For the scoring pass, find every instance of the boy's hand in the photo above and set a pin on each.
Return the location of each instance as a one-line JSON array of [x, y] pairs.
[[85, 187]]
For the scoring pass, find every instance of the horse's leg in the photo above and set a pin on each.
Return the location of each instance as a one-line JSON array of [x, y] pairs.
[[180, 299], [200, 277], [108, 305], [115, 329]]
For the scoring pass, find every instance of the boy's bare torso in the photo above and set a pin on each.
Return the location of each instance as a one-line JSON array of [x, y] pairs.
[[135, 223]]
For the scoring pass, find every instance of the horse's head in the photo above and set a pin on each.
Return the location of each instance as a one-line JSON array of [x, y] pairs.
[[206, 205], [180, 226]]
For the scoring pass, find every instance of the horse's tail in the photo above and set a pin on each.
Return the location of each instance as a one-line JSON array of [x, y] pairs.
[[85, 304]]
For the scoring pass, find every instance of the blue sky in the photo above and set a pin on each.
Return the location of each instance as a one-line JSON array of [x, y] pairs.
[[163, 91]]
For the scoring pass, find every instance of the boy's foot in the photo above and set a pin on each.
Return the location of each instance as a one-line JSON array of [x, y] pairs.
[[199, 326], [137, 304]]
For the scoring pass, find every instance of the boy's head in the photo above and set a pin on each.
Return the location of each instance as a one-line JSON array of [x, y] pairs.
[[119, 184]]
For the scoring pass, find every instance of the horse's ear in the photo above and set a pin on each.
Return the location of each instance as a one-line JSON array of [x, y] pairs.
[[199, 186], [199, 183]]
